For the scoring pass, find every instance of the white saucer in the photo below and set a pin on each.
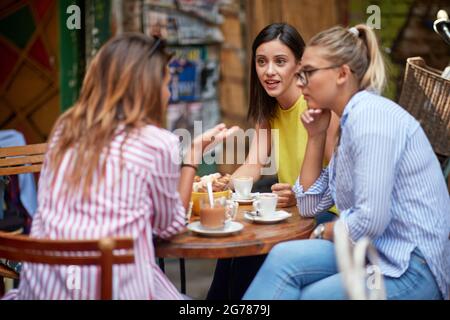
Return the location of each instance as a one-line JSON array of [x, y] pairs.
[[230, 227], [249, 200], [276, 217]]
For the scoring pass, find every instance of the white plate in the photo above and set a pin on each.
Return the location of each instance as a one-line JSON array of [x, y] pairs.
[[234, 197], [276, 217], [230, 227]]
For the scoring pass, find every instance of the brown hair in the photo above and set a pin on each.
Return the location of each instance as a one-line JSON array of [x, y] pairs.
[[121, 88], [358, 48]]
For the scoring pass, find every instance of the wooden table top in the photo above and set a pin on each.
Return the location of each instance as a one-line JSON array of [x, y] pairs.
[[254, 239]]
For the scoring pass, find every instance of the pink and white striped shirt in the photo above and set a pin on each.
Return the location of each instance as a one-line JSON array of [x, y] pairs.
[[138, 199]]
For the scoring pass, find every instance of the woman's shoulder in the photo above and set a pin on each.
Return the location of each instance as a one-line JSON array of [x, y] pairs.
[[156, 137], [373, 102], [148, 145], [374, 111], [148, 141]]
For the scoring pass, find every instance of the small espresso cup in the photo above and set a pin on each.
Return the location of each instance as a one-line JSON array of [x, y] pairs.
[[266, 204], [220, 215], [243, 187]]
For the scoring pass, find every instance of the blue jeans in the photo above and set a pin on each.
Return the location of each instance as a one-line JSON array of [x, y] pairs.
[[307, 270]]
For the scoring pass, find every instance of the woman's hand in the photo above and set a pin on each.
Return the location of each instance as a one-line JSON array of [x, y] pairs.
[[212, 137], [286, 196], [207, 141], [193, 157], [316, 121]]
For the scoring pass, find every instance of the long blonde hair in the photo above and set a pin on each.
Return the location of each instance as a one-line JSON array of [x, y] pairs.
[[358, 48], [121, 89]]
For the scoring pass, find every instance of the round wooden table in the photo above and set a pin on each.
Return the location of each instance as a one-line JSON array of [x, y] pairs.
[[254, 239]]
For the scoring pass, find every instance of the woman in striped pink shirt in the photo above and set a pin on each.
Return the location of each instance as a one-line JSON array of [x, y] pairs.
[[111, 170]]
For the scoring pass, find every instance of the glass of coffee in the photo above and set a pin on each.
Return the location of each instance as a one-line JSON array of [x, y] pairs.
[[217, 217]]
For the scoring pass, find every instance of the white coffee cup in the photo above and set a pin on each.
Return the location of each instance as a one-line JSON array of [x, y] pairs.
[[243, 187], [266, 204]]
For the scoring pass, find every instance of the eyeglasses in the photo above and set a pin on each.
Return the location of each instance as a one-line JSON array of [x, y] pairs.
[[155, 45], [304, 75]]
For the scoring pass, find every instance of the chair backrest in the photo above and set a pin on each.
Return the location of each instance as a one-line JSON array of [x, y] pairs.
[[360, 283], [102, 253], [24, 159]]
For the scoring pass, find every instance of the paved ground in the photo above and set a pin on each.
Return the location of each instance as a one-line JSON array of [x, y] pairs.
[[199, 275]]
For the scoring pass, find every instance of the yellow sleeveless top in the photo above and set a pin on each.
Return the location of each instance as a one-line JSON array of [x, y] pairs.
[[289, 142]]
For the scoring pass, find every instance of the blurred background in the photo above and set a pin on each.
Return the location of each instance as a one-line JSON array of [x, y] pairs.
[[45, 46], [42, 61]]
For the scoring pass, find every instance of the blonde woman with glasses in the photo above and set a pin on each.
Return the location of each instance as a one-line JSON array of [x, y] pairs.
[[384, 179]]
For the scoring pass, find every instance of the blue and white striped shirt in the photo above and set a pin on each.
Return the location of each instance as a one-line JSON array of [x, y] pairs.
[[387, 183]]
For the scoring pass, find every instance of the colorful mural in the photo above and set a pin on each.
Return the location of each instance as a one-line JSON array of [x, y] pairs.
[[29, 90]]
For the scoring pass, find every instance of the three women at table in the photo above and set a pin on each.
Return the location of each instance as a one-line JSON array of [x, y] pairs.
[[384, 178]]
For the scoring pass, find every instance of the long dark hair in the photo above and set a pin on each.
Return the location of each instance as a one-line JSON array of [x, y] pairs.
[[262, 106]]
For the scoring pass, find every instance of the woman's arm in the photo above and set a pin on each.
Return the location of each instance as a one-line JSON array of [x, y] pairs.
[[286, 195], [316, 122], [258, 154], [311, 189], [194, 156], [187, 175]]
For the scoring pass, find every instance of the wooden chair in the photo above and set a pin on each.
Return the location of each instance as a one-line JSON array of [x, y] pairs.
[[17, 160], [54, 252], [351, 261], [24, 159]]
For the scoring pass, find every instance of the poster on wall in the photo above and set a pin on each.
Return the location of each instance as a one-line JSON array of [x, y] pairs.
[[178, 27], [162, 3], [177, 116], [184, 115], [185, 80], [191, 28], [209, 79], [205, 9], [186, 70], [195, 115], [210, 114]]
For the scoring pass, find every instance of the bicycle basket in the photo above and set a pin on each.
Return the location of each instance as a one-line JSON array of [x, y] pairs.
[[426, 96]]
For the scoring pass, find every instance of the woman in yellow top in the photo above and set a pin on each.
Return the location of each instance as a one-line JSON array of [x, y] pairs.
[[276, 102]]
